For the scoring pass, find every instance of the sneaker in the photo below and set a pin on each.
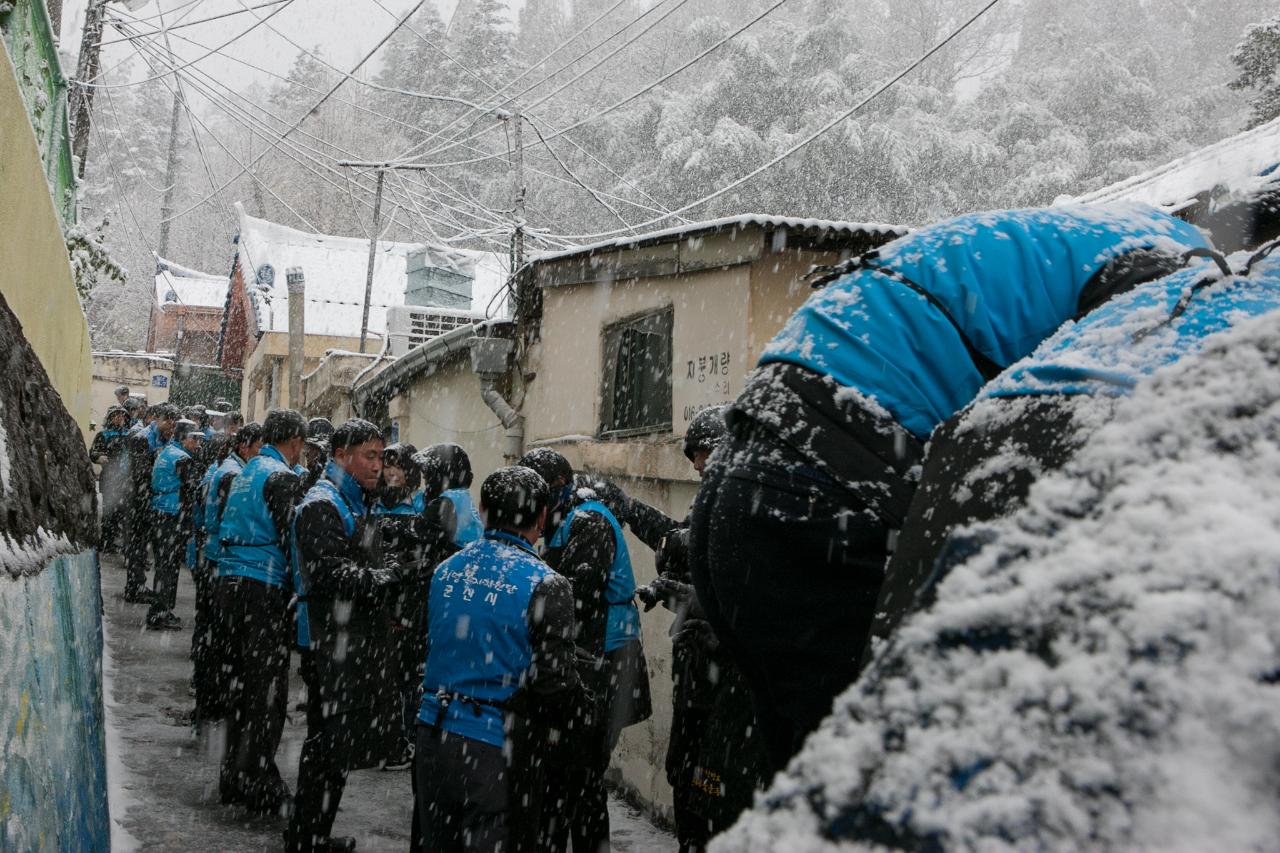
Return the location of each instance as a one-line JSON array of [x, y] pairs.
[[167, 621]]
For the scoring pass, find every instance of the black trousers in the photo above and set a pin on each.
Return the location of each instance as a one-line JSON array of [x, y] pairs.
[[787, 567], [169, 541], [687, 728], [575, 806], [137, 534], [204, 657], [462, 791], [254, 638]]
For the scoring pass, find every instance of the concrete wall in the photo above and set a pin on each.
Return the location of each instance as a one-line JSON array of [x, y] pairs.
[[273, 349], [53, 787], [446, 407], [37, 278], [146, 375]]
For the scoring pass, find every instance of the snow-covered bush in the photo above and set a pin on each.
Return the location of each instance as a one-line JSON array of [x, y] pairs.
[[1103, 674]]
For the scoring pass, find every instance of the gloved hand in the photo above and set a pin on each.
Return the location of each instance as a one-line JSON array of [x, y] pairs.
[[698, 634], [670, 593]]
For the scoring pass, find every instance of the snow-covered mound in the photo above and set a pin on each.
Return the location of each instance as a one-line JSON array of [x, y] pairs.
[[1101, 676]]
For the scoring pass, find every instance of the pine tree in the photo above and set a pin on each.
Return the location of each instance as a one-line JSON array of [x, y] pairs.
[[1258, 59]]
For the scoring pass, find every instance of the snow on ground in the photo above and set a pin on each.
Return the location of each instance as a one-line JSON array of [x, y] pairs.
[[164, 781], [1105, 674]]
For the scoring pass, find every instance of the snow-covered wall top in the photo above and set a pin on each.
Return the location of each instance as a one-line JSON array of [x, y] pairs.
[[740, 221], [189, 287], [1236, 164], [335, 270]]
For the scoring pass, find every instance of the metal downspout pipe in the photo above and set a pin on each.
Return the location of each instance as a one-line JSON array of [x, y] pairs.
[[489, 358]]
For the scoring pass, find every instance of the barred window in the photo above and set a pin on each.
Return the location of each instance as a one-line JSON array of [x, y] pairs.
[[636, 397]]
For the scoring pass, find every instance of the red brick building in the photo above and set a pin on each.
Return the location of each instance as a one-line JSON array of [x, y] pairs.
[[186, 314]]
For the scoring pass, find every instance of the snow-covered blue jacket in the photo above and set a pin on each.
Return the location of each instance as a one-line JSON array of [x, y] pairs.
[[470, 527], [909, 326], [339, 488], [250, 542], [165, 483], [232, 465], [415, 505], [1110, 350], [478, 633], [623, 621]]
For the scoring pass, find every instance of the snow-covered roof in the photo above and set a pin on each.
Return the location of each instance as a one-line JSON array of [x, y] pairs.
[[179, 285], [740, 221], [1102, 674], [1235, 164], [335, 268]]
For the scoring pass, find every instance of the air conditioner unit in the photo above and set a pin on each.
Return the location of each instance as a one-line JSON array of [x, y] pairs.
[[410, 326]]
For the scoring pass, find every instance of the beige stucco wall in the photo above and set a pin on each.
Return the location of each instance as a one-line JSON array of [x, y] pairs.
[[135, 370], [778, 288], [254, 397], [708, 346], [36, 280], [446, 407]]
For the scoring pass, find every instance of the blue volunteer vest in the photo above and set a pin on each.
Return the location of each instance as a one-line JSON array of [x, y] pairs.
[[149, 430], [623, 623], [478, 632], [470, 527], [250, 543], [164, 478], [415, 505], [340, 489], [212, 520], [1115, 346], [1007, 279]]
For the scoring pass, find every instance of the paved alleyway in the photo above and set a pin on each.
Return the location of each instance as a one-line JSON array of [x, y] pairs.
[[165, 784]]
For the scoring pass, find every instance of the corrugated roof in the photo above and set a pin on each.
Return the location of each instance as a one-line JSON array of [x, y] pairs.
[[1235, 164], [179, 285], [741, 221]]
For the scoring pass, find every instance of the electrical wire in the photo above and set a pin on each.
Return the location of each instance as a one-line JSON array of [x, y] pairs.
[[312, 109], [285, 4], [178, 26], [847, 114]]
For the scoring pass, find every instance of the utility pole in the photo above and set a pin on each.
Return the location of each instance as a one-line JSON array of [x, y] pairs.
[[373, 254], [517, 236], [171, 162], [80, 98]]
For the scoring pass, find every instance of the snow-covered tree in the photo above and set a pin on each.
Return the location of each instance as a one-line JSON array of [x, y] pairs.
[[1258, 60]]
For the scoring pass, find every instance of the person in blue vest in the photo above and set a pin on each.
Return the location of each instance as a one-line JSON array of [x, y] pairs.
[[144, 441], [585, 543], [799, 509], [343, 581], [252, 600], [400, 507], [175, 489], [499, 680], [110, 451], [206, 637], [446, 472], [1040, 411]]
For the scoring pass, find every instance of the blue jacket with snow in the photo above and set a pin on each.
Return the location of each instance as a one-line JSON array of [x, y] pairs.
[[623, 619], [909, 325], [166, 485], [1110, 350], [470, 528], [478, 629], [340, 489], [233, 465], [250, 543]]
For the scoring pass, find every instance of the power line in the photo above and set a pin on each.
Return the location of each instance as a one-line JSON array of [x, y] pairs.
[[285, 4], [847, 114], [629, 98], [313, 108], [176, 26]]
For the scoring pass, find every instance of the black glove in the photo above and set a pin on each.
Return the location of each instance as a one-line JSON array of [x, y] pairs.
[[668, 592], [697, 634]]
